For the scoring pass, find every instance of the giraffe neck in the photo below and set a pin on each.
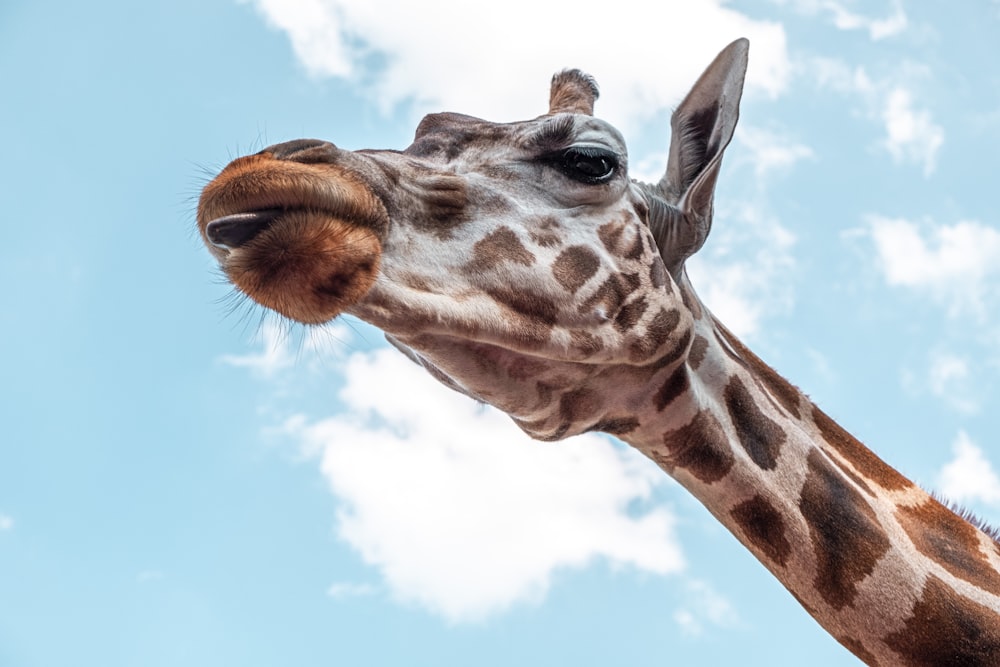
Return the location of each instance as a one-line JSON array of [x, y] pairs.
[[882, 565]]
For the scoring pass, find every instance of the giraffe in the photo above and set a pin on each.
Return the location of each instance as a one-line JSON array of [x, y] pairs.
[[519, 264]]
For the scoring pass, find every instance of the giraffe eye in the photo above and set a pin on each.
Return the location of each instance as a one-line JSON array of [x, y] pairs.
[[586, 164]]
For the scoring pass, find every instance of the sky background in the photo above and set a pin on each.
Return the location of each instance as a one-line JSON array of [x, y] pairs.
[[186, 482]]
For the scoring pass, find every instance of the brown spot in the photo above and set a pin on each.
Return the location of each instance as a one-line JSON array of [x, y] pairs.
[[528, 319], [659, 330], [545, 239], [764, 528], [575, 266], [676, 384], [697, 353], [638, 247], [616, 425], [586, 343], [415, 282], [760, 435], [532, 306], [700, 448], [501, 245], [544, 230], [691, 301], [786, 393], [611, 235], [610, 294], [630, 314], [847, 538], [545, 393], [862, 458], [577, 405], [952, 543], [948, 630], [683, 344]]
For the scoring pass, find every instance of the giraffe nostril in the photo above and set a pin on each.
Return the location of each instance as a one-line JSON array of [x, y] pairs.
[[233, 231]]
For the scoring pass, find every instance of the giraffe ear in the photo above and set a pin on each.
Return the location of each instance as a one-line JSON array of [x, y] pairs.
[[701, 128]]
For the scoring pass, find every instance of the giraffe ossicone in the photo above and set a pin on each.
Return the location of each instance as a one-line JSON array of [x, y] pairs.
[[519, 264]]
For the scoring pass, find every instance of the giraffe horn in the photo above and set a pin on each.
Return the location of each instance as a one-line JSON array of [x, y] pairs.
[[573, 92]]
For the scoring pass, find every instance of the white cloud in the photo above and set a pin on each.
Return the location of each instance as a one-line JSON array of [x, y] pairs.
[[949, 378], [461, 512], [6, 522], [704, 605], [970, 476], [273, 358], [957, 265], [742, 272], [845, 19], [769, 150], [912, 135], [343, 590], [472, 59]]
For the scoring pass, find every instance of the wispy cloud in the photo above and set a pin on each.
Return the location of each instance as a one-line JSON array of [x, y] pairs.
[[273, 358], [769, 150], [912, 136], [704, 606], [343, 590], [742, 275], [958, 265], [6, 522], [844, 18], [461, 512], [969, 476], [452, 63], [949, 378]]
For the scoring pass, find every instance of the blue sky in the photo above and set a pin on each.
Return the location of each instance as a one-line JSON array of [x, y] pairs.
[[182, 482]]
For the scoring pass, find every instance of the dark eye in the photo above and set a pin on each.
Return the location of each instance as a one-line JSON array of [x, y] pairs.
[[586, 164]]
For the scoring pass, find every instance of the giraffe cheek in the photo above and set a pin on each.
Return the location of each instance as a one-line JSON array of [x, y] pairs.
[[307, 266]]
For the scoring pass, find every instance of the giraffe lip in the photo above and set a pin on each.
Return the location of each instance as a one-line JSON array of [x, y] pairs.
[[238, 229]]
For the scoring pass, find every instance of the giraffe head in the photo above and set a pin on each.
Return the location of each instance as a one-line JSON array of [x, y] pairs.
[[491, 253]]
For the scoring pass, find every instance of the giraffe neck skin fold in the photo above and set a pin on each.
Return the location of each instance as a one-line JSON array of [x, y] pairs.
[[871, 556]]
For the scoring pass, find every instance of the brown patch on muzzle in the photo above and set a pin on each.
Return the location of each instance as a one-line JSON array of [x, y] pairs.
[[304, 240]]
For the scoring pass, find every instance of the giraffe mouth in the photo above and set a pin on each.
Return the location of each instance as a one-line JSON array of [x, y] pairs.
[[302, 240]]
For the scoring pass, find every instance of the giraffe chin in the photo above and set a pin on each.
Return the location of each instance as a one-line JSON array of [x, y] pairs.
[[308, 266]]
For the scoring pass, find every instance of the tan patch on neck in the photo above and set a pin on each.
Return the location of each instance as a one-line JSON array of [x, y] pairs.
[[847, 538], [862, 458], [701, 448], [764, 528], [760, 435], [948, 630], [951, 542]]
